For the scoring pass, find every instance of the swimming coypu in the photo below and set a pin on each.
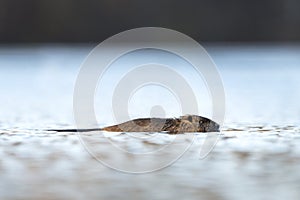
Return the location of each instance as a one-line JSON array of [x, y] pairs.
[[183, 124]]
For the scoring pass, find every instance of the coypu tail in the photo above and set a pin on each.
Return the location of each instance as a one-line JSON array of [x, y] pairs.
[[76, 130]]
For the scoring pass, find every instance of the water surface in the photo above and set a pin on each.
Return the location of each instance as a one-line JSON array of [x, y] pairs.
[[257, 155]]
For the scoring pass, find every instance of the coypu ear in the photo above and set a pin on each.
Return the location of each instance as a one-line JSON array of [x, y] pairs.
[[190, 118], [187, 117]]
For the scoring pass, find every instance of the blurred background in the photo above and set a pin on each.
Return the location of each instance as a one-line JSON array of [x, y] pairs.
[[39, 39], [255, 46], [33, 21]]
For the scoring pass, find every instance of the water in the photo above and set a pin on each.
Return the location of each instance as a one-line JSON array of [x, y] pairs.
[[257, 155]]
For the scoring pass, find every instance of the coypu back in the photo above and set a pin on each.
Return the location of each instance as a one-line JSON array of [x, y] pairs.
[[186, 123]]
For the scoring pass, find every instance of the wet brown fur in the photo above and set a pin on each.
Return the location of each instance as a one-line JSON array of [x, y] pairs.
[[187, 123], [183, 124]]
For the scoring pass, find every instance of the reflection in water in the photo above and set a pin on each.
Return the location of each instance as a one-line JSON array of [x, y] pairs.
[[37, 164]]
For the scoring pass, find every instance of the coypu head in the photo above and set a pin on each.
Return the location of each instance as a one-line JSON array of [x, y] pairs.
[[203, 124]]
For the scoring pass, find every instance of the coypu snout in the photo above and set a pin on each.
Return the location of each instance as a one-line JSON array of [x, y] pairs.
[[203, 124], [212, 127]]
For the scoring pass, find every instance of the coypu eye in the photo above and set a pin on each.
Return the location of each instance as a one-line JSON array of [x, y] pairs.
[[190, 118]]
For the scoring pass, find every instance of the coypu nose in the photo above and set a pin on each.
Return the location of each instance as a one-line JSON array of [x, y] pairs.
[[213, 127]]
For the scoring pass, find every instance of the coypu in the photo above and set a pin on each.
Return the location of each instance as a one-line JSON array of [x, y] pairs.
[[183, 124]]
